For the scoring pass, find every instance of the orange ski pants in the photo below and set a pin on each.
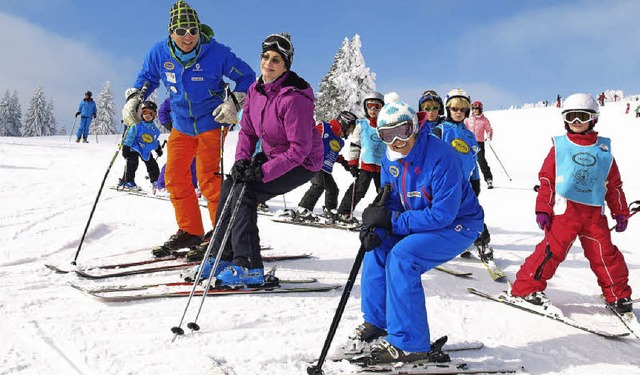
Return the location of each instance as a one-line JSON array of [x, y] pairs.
[[181, 149]]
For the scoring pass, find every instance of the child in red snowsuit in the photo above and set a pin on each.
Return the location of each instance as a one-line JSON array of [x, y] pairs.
[[578, 176]]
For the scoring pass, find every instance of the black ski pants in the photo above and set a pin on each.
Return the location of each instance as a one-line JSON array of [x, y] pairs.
[[322, 182], [484, 166], [243, 246], [362, 182], [132, 167]]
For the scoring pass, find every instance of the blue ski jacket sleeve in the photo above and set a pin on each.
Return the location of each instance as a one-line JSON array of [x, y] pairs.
[[197, 87], [430, 190]]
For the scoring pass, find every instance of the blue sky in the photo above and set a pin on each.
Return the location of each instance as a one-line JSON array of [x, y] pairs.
[[503, 52]]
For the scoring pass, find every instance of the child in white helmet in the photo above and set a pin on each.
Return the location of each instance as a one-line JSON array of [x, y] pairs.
[[578, 176]]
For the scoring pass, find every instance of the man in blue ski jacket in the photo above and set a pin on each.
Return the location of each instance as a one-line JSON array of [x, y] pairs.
[[425, 215], [192, 64], [87, 111]]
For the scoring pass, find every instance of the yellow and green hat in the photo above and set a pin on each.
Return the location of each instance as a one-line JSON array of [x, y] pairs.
[[182, 15]]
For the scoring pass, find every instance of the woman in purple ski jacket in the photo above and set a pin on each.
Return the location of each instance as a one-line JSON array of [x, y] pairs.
[[278, 111]]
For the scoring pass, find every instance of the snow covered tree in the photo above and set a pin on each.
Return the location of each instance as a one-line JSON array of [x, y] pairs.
[[51, 123], [346, 84], [329, 97], [38, 118], [10, 115], [105, 122]]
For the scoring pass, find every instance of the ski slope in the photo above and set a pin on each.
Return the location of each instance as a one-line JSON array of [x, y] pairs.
[[48, 187]]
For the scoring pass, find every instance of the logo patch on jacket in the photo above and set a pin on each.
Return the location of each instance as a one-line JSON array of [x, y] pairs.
[[334, 145], [460, 146], [171, 77], [168, 65], [395, 172], [604, 148], [414, 194], [147, 138], [584, 159]]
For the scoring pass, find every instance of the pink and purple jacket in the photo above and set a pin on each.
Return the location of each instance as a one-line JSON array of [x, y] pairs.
[[280, 113], [479, 125]]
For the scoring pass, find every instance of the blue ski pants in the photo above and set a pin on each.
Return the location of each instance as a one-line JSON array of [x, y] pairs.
[[392, 293], [83, 128]]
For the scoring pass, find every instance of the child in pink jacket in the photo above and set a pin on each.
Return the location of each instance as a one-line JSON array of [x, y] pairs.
[[480, 125]]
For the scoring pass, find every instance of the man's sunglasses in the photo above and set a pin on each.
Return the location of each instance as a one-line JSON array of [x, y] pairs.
[[182, 31]]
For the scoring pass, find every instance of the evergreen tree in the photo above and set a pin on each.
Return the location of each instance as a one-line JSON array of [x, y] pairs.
[[38, 118], [10, 115], [346, 84], [51, 123], [361, 79], [329, 98], [105, 118]]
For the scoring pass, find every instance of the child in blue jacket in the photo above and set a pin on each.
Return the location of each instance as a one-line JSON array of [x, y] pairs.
[[140, 140]]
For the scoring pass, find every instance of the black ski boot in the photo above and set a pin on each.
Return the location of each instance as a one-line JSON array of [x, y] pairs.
[[621, 306], [385, 352], [367, 332], [196, 253], [177, 241]]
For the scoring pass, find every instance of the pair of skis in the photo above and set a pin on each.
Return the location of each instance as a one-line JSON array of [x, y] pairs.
[[494, 271], [519, 303]]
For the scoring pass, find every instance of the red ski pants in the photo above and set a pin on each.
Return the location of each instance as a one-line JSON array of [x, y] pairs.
[[589, 225], [181, 149]]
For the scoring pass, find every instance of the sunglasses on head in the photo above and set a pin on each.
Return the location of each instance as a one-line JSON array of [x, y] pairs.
[[274, 59], [374, 105], [581, 117], [182, 31], [279, 41], [429, 109], [402, 131], [457, 109]]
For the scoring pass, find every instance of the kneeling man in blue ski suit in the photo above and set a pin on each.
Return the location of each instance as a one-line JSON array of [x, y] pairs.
[[430, 215]]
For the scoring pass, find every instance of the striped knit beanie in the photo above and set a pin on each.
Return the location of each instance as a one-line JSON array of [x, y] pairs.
[[182, 15]]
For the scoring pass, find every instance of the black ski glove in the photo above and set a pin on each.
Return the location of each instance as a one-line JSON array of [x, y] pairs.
[[237, 171], [377, 215], [159, 151], [369, 239], [77, 114], [253, 173], [94, 116], [126, 151], [354, 170]]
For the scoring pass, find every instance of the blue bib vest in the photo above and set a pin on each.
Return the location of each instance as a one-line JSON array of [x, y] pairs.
[[144, 138], [581, 171], [373, 148], [332, 146]]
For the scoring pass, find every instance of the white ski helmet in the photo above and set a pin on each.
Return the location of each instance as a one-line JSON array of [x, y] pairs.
[[457, 93], [395, 112], [581, 102], [374, 95]]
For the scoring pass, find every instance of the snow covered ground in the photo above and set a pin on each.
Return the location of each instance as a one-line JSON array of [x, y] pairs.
[[47, 189]]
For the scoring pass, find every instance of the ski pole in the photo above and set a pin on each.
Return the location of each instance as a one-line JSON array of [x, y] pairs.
[[177, 330], [93, 209], [73, 128], [503, 168], [317, 369], [353, 195], [194, 325]]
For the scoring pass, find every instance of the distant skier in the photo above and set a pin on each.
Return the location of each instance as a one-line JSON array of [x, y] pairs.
[[429, 216], [332, 134], [365, 152], [577, 177], [87, 111], [558, 101], [140, 140], [601, 99], [626, 111]]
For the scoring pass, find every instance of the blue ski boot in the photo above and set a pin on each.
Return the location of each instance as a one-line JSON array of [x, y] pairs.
[[234, 276], [191, 273]]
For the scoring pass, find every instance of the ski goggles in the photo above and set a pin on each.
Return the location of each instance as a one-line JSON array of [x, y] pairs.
[[182, 31], [578, 116], [402, 131], [147, 111], [429, 109], [373, 105], [282, 44]]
